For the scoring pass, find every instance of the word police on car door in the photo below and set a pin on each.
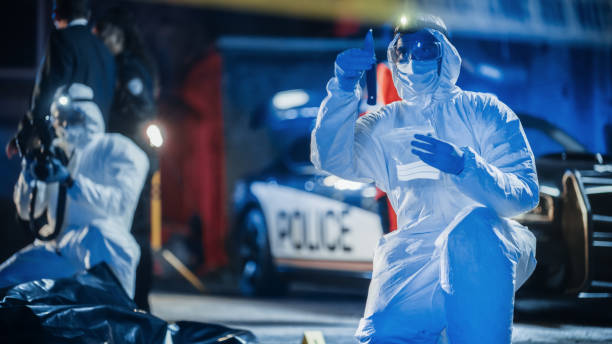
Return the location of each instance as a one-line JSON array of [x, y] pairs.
[[304, 225]]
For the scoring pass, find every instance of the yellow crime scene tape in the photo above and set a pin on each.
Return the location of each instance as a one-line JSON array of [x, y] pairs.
[[367, 11], [183, 270]]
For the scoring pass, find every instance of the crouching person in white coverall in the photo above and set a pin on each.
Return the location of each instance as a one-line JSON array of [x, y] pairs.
[[455, 165], [103, 178]]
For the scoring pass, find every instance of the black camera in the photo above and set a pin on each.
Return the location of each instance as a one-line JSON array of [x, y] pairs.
[[35, 143]]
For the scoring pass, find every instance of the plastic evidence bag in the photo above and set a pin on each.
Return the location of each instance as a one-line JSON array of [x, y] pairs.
[[398, 149]]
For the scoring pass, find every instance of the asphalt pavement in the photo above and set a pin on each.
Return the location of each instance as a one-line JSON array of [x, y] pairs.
[[283, 320]]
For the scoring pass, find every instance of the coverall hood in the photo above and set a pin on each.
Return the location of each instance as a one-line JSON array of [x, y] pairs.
[[443, 88], [80, 101]]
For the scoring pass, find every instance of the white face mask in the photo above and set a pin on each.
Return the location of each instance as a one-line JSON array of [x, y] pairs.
[[421, 76]]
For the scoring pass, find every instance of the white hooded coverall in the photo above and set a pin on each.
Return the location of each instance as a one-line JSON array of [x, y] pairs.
[[456, 259], [109, 171]]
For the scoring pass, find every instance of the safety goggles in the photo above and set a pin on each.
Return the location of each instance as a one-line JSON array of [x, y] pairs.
[[420, 46]]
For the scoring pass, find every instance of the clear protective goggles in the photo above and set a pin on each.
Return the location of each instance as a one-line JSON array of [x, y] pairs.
[[419, 46]]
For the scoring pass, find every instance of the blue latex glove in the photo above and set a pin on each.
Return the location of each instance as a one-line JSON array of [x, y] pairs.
[[442, 155], [59, 172], [350, 64]]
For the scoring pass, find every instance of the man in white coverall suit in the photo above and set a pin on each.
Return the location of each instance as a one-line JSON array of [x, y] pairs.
[[104, 176], [455, 165]]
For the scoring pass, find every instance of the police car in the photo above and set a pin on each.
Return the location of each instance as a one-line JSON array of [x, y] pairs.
[[295, 222]]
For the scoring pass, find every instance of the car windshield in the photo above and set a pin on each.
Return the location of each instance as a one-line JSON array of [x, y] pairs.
[[544, 138], [541, 143]]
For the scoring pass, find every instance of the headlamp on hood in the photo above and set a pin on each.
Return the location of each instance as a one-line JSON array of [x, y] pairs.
[[415, 40], [416, 49], [412, 24], [423, 63], [75, 116], [64, 112]]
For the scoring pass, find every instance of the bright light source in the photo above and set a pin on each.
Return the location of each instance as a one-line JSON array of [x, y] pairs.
[[490, 72], [290, 99], [342, 184], [155, 136], [63, 100], [330, 180], [369, 192], [403, 20], [309, 112], [289, 114]]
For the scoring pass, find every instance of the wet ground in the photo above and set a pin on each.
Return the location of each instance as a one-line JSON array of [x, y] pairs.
[[284, 319]]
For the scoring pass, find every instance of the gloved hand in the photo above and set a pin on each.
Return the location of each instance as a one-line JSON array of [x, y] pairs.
[[56, 171], [350, 64], [442, 155]]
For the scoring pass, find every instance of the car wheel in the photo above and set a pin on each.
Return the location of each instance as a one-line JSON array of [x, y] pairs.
[[257, 273]]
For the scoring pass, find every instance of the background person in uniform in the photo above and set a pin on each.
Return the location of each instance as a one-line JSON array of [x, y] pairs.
[[132, 110], [74, 55], [455, 166], [103, 177]]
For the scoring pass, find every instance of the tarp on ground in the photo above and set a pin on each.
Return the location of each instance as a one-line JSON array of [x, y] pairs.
[[92, 307]]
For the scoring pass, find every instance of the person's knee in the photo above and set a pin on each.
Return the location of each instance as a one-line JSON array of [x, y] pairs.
[[473, 240], [475, 227]]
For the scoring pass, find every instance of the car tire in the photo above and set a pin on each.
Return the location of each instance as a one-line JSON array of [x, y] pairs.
[[256, 270]]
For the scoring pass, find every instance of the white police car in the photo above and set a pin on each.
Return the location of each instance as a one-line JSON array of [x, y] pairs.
[[295, 222]]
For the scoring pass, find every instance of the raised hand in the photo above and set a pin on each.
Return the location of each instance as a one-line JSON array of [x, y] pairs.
[[350, 64]]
